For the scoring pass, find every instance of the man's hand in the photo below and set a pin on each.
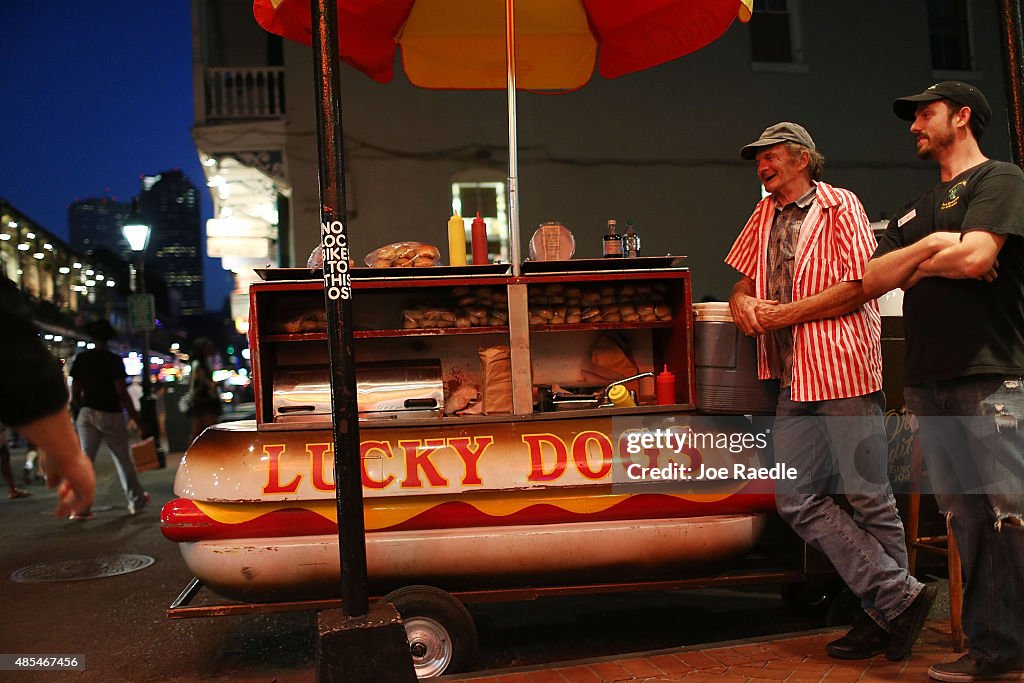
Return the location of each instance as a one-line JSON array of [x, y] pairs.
[[744, 313], [743, 306], [991, 275], [75, 481], [771, 315]]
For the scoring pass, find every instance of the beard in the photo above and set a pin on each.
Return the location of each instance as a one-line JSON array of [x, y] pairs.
[[933, 144]]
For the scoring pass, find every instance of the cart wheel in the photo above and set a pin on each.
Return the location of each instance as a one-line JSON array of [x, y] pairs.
[[810, 598], [843, 608], [440, 630]]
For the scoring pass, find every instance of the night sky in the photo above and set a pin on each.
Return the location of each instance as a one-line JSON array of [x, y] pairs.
[[94, 95]]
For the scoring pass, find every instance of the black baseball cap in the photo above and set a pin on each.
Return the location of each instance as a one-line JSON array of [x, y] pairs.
[[958, 92]]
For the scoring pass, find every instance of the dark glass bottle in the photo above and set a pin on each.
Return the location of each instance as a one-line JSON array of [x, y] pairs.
[[612, 247]]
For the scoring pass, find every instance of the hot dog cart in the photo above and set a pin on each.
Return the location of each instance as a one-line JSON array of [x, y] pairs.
[[541, 485]]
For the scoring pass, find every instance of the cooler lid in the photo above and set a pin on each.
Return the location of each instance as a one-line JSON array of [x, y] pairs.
[[712, 312]]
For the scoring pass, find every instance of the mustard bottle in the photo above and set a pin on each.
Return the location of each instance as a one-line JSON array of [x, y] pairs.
[[620, 396], [456, 241]]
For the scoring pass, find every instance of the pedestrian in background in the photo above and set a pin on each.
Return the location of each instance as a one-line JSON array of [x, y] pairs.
[[34, 400], [5, 465], [98, 385], [206, 407]]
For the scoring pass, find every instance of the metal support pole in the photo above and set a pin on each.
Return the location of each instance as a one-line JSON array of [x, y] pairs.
[[150, 426], [1010, 34], [513, 144], [348, 481]]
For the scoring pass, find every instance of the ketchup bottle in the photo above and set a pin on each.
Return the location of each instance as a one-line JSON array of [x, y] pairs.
[[665, 388], [479, 237]]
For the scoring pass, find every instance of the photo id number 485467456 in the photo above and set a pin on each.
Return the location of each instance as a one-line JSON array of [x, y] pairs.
[[41, 662]]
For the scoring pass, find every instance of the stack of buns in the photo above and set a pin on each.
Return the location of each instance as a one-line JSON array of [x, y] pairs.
[[403, 255], [468, 307], [558, 304]]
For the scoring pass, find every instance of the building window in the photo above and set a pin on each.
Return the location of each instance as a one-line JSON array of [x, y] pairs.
[[774, 33], [488, 198], [949, 30]]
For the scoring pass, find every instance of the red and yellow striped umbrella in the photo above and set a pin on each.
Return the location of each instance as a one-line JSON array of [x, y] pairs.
[[460, 44]]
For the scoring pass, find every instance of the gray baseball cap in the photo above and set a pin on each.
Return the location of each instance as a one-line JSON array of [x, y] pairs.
[[773, 135]]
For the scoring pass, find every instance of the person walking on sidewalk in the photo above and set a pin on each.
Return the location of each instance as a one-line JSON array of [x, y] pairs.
[[958, 252], [98, 386], [206, 407], [801, 256], [5, 465]]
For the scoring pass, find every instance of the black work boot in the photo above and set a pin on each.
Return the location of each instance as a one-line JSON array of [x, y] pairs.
[[866, 639], [905, 628]]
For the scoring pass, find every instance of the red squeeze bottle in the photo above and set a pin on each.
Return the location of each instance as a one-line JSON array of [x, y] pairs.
[[665, 388], [479, 238]]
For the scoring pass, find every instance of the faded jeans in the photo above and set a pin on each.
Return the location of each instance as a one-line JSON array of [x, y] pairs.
[[973, 445], [839, 446], [99, 426]]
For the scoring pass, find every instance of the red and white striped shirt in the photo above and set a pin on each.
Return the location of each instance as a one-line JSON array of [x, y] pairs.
[[835, 357]]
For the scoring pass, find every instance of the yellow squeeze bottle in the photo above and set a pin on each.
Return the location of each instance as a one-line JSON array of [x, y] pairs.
[[620, 396], [456, 241]]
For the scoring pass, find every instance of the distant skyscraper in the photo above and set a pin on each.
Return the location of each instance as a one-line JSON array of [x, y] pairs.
[[170, 202], [96, 223]]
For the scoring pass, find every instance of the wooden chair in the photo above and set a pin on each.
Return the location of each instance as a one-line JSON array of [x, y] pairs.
[[941, 545]]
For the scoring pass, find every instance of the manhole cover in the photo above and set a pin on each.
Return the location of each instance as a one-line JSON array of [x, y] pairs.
[[79, 570]]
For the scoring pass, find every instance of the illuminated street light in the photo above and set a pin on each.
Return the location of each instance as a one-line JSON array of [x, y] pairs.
[[136, 231]]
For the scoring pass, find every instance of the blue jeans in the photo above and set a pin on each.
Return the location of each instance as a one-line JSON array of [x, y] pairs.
[[840, 446], [974, 448], [98, 426]]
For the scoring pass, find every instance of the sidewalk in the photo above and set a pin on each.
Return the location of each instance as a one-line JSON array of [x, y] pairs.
[[794, 659]]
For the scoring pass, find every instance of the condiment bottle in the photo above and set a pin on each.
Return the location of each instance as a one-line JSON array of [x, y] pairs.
[[665, 388], [479, 232], [612, 247], [630, 242], [456, 241], [620, 396]]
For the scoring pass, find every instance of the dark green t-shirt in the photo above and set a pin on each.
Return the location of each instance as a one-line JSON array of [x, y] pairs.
[[965, 327]]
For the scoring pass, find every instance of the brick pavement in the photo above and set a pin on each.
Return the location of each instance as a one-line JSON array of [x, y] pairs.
[[795, 659]]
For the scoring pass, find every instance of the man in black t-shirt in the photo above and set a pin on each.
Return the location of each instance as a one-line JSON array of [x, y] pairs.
[[958, 252], [34, 399], [98, 387]]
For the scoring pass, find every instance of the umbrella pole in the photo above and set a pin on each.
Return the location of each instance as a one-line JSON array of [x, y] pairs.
[[513, 148], [338, 300], [1010, 32]]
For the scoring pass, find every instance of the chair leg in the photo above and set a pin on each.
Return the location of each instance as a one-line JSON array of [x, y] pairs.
[[956, 587], [913, 516]]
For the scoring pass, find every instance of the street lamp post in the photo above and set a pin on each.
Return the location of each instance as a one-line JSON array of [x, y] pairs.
[[136, 231]]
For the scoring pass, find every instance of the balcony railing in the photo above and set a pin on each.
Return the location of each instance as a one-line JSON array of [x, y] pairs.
[[244, 93]]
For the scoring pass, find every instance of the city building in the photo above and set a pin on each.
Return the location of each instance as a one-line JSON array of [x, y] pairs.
[[659, 148], [65, 287], [169, 202], [97, 223]]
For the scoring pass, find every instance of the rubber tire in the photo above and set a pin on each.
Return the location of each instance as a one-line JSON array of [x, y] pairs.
[[843, 608], [458, 627], [810, 598]]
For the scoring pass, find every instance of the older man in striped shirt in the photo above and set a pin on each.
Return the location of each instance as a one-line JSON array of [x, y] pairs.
[[801, 256]]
